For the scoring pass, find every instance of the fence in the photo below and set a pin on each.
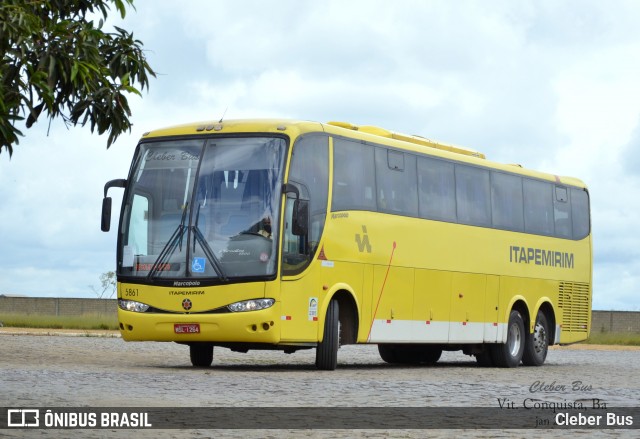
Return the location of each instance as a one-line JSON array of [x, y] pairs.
[[615, 321], [56, 306], [601, 321]]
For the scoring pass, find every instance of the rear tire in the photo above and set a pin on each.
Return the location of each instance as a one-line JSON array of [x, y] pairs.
[[201, 354], [327, 350], [537, 343], [409, 353], [430, 354], [398, 354], [509, 354], [387, 353], [485, 359]]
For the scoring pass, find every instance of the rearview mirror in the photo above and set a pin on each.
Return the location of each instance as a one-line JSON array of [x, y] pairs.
[[300, 220], [105, 223], [106, 214]]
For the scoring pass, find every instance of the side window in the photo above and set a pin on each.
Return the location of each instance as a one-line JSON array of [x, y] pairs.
[[396, 182], [538, 207], [353, 181], [138, 238], [436, 189], [506, 201], [310, 173], [562, 212], [580, 213], [472, 196]]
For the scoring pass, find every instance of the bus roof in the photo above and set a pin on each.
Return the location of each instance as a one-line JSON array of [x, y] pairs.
[[363, 132], [418, 140]]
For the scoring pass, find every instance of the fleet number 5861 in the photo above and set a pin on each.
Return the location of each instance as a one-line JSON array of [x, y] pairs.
[[130, 292]]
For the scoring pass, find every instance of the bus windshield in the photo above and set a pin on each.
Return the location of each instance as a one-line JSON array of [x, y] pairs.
[[203, 209]]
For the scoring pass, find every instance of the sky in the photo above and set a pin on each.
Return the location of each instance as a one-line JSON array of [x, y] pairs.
[[552, 85]]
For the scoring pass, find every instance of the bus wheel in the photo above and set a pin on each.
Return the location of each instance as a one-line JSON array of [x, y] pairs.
[[537, 343], [409, 354], [399, 353], [327, 350], [510, 353], [484, 359], [201, 354], [430, 354], [387, 353]]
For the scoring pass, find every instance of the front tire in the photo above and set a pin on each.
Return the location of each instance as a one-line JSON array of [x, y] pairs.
[[537, 343], [201, 354], [327, 350], [509, 354]]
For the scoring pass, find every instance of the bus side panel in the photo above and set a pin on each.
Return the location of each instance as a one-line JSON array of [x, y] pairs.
[[368, 303], [530, 290], [348, 276], [574, 305], [467, 308], [432, 304], [572, 302], [492, 329], [393, 296], [301, 297]]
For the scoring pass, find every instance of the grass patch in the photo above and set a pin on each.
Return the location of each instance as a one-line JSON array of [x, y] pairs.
[[85, 321], [101, 321], [614, 338]]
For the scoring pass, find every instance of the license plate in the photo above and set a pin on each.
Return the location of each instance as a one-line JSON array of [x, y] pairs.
[[186, 328]]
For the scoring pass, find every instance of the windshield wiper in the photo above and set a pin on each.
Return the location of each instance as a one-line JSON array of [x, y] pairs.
[[181, 226], [176, 241], [170, 246], [215, 262]]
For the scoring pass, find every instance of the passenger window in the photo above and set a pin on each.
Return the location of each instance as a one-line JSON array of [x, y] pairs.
[[580, 213], [473, 196], [353, 181], [395, 160], [396, 182], [562, 213], [538, 207], [436, 188], [506, 201]]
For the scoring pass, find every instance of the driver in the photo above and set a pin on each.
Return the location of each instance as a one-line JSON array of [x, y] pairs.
[[265, 227]]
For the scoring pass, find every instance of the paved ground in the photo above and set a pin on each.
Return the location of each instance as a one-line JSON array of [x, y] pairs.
[[79, 369]]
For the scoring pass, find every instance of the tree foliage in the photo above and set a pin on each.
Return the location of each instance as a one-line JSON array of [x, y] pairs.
[[58, 61]]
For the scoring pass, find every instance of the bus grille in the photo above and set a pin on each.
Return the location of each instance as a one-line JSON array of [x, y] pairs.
[[574, 299]]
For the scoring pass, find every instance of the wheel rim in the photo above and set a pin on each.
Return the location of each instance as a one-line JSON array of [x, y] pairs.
[[515, 340], [539, 338]]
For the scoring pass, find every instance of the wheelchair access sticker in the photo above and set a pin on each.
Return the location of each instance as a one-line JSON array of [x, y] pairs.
[[198, 264]]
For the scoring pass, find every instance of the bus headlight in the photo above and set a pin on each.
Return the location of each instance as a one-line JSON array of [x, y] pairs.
[[251, 305], [132, 305]]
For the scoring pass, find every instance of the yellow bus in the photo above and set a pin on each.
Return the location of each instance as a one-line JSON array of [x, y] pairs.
[[286, 235]]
